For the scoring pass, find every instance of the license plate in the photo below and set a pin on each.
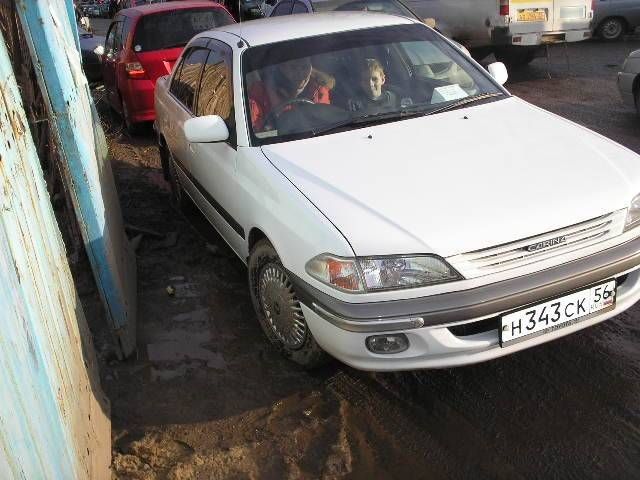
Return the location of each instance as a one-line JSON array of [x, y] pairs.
[[532, 15], [557, 313]]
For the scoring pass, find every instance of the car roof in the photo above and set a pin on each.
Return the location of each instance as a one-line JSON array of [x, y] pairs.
[[167, 7], [291, 27]]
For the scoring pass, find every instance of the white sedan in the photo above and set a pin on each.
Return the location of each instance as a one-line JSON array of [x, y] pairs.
[[391, 215], [628, 81]]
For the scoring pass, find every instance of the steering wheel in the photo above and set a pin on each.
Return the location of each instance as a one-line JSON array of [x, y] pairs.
[[278, 110]]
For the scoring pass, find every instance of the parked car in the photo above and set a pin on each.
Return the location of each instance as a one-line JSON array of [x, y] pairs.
[[95, 8], [629, 80], [613, 18], [143, 43], [91, 50], [514, 30], [392, 7], [288, 7], [391, 217], [138, 3]]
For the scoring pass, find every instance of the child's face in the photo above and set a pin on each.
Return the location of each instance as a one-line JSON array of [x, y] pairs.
[[372, 82]]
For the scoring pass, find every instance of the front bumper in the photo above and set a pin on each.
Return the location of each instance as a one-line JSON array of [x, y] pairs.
[[341, 328]]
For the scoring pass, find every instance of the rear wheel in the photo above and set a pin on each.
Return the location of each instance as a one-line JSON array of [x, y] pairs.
[[129, 126], [178, 197], [278, 308], [611, 29]]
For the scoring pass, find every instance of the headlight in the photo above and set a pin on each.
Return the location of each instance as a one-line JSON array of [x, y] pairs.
[[370, 274], [633, 214]]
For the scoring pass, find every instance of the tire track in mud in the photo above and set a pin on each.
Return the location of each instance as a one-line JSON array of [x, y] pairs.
[[433, 434]]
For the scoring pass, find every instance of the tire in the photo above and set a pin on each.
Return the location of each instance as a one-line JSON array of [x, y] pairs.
[[636, 97], [164, 159], [179, 198], [611, 29], [278, 308], [132, 128], [515, 57]]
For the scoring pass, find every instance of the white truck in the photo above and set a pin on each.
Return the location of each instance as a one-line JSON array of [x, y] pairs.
[[512, 29]]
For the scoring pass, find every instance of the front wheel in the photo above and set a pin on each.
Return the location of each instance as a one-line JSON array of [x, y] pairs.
[[278, 308]]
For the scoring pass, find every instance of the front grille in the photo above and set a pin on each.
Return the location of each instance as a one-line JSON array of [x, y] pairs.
[[514, 254]]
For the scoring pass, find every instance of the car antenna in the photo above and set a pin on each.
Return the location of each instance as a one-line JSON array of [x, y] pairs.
[[240, 42]]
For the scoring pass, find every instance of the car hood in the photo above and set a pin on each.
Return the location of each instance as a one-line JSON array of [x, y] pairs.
[[459, 181]]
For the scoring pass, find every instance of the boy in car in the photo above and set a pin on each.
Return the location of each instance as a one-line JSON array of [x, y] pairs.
[[372, 98], [289, 81]]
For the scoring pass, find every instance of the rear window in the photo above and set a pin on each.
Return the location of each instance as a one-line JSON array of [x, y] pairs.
[[173, 29]]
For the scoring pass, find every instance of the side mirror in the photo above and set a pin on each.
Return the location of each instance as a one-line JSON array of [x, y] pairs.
[[429, 22], [207, 129], [499, 72]]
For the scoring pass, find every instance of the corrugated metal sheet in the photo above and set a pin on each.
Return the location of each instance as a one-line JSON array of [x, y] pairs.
[[49, 27], [54, 419]]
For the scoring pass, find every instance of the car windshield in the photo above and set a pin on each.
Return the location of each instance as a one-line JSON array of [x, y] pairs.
[[382, 6], [319, 85], [172, 29]]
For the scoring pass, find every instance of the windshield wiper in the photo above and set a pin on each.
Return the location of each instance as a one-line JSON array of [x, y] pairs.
[[406, 112], [359, 121], [464, 101]]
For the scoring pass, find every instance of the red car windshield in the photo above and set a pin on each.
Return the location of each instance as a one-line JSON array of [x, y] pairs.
[[173, 29]]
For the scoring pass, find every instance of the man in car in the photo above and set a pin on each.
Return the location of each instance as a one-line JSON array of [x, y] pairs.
[[291, 80], [372, 98]]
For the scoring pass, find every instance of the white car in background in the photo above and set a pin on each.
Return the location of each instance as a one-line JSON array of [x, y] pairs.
[[628, 83], [389, 216]]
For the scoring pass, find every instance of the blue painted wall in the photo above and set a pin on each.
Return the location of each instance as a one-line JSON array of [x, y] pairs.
[[49, 26], [54, 419]]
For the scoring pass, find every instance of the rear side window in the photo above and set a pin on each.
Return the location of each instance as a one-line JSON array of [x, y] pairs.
[[187, 77], [173, 29]]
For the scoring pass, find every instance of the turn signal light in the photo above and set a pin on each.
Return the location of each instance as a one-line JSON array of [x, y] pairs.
[[135, 70]]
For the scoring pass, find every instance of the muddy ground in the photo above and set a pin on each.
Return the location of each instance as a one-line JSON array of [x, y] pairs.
[[206, 397]]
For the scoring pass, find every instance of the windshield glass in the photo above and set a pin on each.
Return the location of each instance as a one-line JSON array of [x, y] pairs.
[[314, 86], [392, 7], [173, 29]]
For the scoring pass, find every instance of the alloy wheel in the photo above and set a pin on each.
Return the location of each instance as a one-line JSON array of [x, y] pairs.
[[281, 307]]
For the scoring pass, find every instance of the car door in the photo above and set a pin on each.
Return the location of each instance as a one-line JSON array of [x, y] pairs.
[[180, 108], [213, 165], [110, 62]]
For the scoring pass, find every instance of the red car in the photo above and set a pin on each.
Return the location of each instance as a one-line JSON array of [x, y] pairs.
[[143, 43]]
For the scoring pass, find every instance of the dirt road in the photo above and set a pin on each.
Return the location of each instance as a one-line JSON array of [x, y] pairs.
[[207, 397]]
